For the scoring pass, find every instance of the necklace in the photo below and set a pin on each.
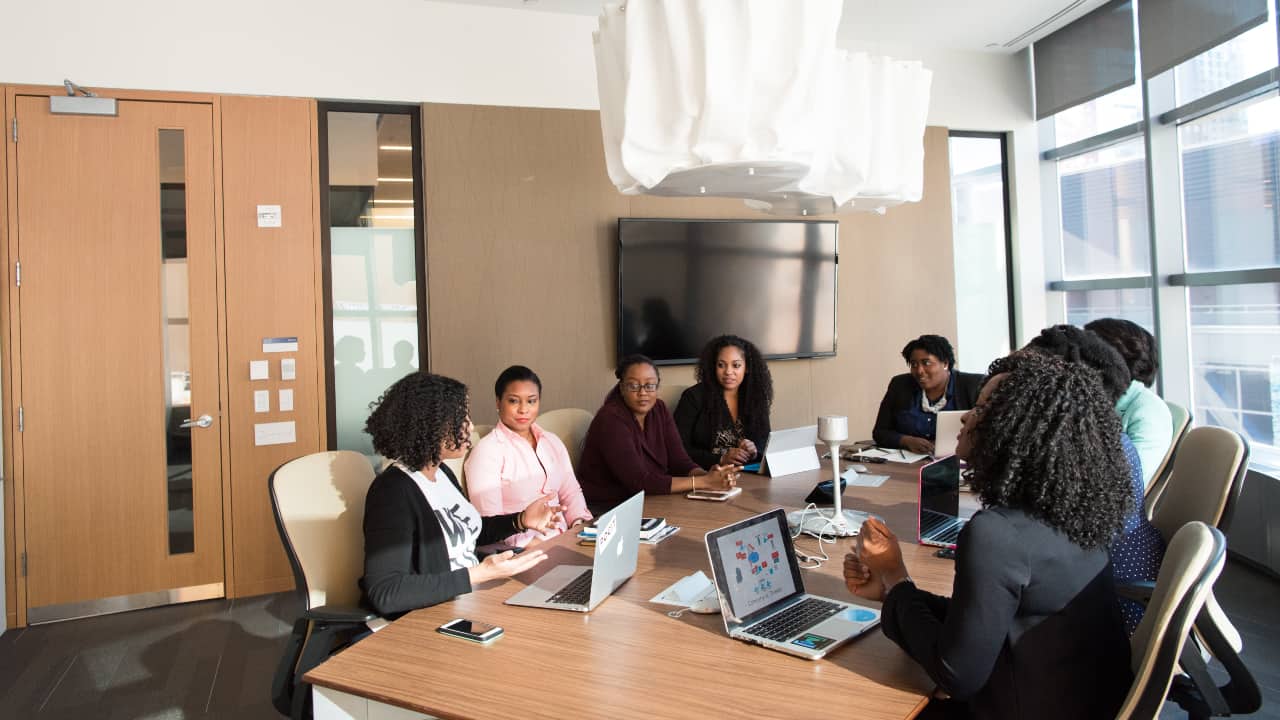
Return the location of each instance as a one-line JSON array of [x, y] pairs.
[[932, 408]]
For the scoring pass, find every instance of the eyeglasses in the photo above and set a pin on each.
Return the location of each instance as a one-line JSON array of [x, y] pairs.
[[636, 387]]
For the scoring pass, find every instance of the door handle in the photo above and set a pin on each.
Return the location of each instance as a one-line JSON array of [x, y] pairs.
[[203, 421]]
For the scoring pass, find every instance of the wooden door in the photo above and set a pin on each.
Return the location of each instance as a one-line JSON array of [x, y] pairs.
[[118, 347]]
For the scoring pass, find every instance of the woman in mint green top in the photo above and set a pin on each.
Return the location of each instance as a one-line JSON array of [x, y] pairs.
[[1143, 414]]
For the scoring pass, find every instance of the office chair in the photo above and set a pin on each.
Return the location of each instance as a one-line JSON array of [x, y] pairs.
[[570, 425], [459, 465], [670, 394], [318, 503], [1165, 665], [1181, 423]]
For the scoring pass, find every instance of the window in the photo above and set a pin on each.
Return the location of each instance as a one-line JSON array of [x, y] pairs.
[[979, 206], [375, 280], [1109, 112], [1104, 213], [1248, 54]]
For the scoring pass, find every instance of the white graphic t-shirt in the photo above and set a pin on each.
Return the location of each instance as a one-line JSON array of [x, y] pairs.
[[458, 518]]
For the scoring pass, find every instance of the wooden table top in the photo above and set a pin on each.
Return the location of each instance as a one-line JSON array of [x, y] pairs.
[[628, 658]]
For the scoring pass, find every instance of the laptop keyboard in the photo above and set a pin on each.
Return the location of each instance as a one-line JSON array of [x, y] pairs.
[[577, 592], [937, 527], [795, 619]]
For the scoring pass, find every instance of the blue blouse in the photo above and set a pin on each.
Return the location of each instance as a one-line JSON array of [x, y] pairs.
[[915, 421], [1137, 554]]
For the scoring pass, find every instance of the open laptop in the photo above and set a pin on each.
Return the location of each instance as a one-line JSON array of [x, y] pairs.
[[581, 588], [762, 596], [940, 522], [947, 431]]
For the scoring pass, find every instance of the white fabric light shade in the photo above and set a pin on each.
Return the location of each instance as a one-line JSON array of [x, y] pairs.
[[751, 99]]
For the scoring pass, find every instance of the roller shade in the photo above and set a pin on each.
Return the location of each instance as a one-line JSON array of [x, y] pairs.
[[1085, 60], [1172, 31]]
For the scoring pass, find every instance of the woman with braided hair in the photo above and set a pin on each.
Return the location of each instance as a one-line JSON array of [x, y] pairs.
[[1032, 628]]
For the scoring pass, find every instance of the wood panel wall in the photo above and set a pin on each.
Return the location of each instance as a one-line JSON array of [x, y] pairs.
[[271, 291], [522, 266], [6, 384]]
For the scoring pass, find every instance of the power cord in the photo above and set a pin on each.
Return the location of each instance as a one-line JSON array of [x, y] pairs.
[[825, 535]]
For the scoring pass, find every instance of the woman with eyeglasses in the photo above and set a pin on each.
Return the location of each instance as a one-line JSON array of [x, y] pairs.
[[633, 445], [724, 419], [908, 416]]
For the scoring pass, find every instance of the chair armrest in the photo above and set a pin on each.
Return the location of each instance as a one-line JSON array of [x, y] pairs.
[[1140, 590], [339, 614]]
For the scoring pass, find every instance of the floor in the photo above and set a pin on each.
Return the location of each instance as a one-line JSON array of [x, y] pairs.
[[215, 659]]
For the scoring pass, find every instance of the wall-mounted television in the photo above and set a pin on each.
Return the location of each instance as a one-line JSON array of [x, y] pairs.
[[683, 282]]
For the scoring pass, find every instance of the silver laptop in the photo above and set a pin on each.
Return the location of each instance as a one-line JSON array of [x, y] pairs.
[[948, 429], [762, 595], [580, 587], [940, 523]]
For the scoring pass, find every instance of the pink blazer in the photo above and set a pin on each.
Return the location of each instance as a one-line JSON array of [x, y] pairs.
[[504, 475]]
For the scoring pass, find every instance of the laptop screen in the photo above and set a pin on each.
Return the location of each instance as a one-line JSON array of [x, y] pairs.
[[754, 563], [940, 490]]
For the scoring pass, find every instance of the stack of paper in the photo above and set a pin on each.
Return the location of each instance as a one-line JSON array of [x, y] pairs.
[[898, 456]]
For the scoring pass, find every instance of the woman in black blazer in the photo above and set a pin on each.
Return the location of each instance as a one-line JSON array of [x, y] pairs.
[[420, 532], [724, 418], [908, 416], [1032, 628]]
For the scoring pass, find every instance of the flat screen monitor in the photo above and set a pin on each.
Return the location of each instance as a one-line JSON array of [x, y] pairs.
[[683, 282]]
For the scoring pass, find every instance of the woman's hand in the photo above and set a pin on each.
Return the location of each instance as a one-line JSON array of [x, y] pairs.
[[749, 446], [541, 515], [916, 444], [878, 550], [735, 456], [504, 565], [720, 477], [860, 581]]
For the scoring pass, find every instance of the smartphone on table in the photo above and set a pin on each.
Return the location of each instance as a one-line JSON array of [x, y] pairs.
[[472, 630], [714, 495]]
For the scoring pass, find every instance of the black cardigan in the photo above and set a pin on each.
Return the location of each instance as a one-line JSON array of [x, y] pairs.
[[406, 561], [693, 420], [902, 392], [1031, 630]]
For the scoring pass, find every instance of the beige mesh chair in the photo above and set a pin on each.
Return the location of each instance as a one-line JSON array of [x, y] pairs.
[[458, 465], [1203, 484], [570, 425], [1192, 563], [670, 394], [1181, 422], [479, 431], [318, 503], [1165, 665]]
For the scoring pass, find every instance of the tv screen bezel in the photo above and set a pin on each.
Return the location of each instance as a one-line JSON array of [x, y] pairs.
[[835, 315]]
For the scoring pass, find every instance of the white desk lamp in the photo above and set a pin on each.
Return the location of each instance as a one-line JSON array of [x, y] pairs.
[[833, 430]]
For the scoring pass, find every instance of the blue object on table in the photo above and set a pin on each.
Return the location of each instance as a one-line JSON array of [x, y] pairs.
[[753, 467]]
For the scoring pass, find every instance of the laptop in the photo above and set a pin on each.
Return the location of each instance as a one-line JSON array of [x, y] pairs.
[[948, 428], [940, 522], [581, 588], [791, 451], [762, 595]]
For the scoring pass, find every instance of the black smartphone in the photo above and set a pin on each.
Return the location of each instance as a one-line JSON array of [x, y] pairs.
[[472, 630]]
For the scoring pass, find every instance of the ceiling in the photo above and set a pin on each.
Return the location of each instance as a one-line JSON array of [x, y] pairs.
[[1001, 26]]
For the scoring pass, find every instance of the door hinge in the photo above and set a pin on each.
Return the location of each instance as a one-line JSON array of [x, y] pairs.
[[17, 273], [24, 563], [20, 421], [15, 129]]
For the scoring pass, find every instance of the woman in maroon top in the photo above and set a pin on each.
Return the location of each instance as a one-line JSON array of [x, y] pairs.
[[633, 445]]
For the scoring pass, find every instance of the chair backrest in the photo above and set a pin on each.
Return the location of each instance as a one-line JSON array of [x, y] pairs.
[[479, 431], [1181, 422], [318, 502], [670, 394], [458, 465], [570, 425], [1208, 471], [1192, 563]]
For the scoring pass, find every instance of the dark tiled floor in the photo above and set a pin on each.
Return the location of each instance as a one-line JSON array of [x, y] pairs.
[[215, 659]]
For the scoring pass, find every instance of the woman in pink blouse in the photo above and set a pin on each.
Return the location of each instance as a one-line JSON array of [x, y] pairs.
[[519, 461]]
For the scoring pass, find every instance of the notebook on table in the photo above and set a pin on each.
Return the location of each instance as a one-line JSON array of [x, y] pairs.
[[762, 597], [581, 588], [939, 520]]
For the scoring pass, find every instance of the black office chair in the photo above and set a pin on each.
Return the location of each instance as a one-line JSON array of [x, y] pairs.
[[318, 503]]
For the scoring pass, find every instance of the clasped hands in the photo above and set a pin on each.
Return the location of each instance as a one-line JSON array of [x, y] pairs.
[[875, 565], [740, 455]]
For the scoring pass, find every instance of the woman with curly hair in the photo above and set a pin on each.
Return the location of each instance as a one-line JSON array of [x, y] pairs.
[[724, 418], [420, 532], [908, 416], [633, 445], [519, 461], [1143, 414], [1032, 628]]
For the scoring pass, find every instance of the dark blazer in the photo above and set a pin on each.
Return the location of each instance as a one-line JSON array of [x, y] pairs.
[[1031, 630], [619, 459], [693, 420], [904, 391], [406, 561]]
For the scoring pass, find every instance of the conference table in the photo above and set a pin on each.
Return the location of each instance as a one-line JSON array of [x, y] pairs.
[[628, 657]]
